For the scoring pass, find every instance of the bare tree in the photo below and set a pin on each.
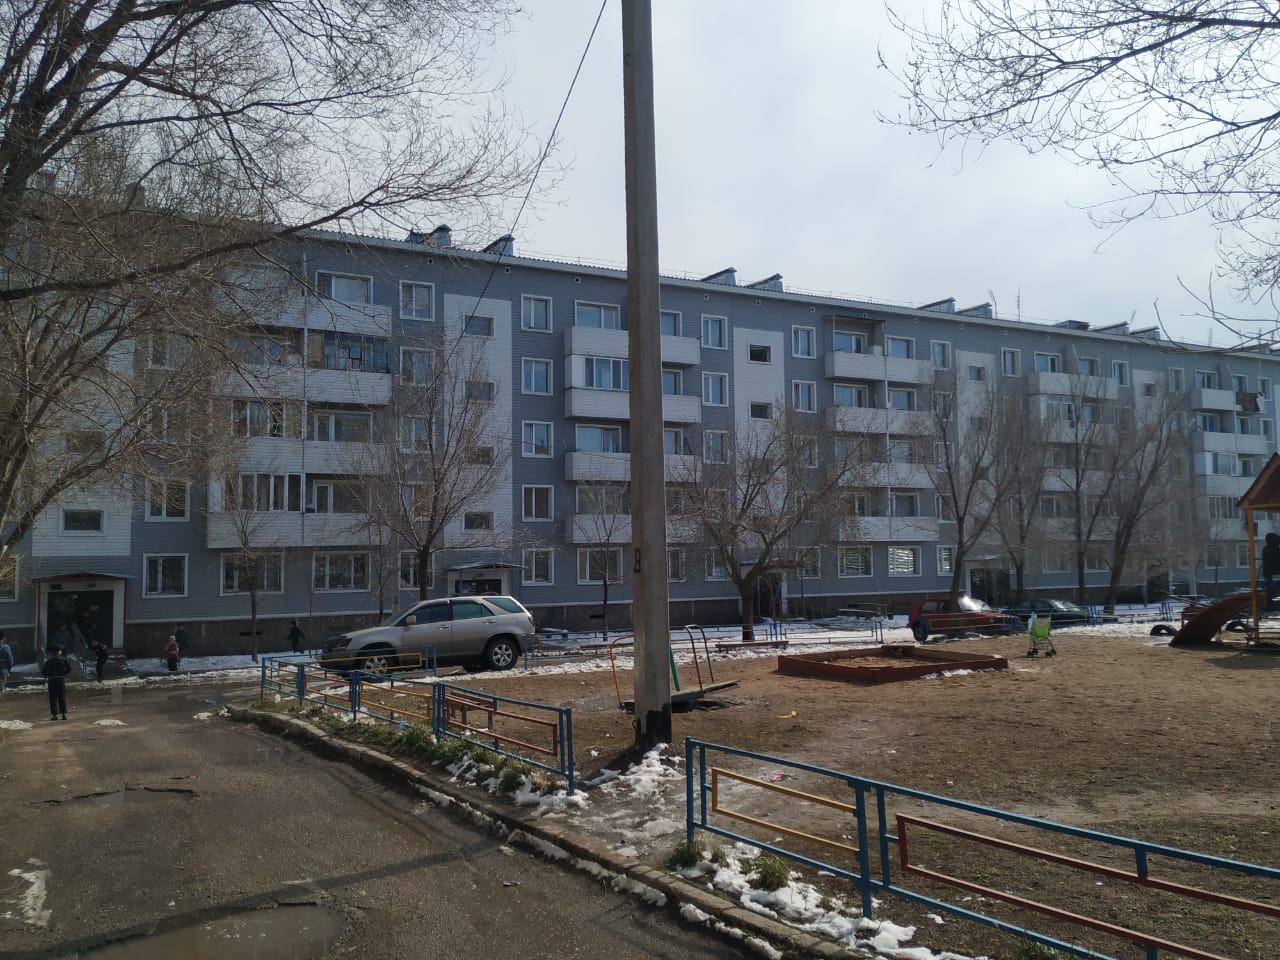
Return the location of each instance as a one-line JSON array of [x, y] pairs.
[[780, 490], [1175, 101], [148, 150], [1020, 467], [602, 520]]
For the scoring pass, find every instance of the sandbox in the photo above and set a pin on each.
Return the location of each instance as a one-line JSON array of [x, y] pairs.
[[885, 664]]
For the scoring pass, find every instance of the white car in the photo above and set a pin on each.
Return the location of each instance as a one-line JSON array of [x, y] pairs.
[[488, 632]]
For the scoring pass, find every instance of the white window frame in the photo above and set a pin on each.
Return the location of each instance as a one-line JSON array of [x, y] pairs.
[[529, 364], [413, 313], [946, 560], [797, 350], [804, 395], [330, 275], [146, 574], [350, 556], [604, 429], [1010, 362], [409, 574], [1177, 380], [533, 489], [1242, 555], [677, 378], [238, 592], [1264, 387], [472, 318], [1206, 379], [525, 322], [526, 446], [605, 310], [481, 391], [979, 370], [410, 438], [909, 393], [724, 445], [1052, 362], [723, 324], [1055, 558], [716, 571], [100, 532], [945, 355], [908, 342], [151, 500], [682, 565], [664, 315], [413, 352], [723, 380], [914, 552], [678, 434], [528, 559], [808, 563], [857, 340], [759, 353], [857, 392], [611, 553], [1120, 372], [845, 569]]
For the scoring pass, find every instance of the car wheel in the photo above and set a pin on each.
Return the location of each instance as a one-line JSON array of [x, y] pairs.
[[501, 653], [920, 631], [379, 662]]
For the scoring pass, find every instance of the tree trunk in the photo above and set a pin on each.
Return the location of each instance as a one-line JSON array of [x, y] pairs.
[[604, 605], [424, 568], [253, 615], [746, 595], [1080, 587]]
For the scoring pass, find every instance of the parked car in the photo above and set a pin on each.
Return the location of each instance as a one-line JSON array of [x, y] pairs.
[[488, 631], [957, 615], [1061, 613]]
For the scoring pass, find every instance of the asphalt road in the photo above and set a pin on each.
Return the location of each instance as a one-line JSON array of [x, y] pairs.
[[168, 835]]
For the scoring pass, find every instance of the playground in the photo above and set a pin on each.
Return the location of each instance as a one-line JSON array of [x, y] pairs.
[[1119, 732]]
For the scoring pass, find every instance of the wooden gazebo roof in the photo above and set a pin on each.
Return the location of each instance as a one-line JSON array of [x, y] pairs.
[[1264, 492]]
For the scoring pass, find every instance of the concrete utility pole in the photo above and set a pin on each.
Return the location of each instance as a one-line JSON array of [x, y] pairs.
[[649, 608]]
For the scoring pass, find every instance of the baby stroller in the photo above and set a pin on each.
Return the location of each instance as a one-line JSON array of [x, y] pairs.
[[1038, 629]]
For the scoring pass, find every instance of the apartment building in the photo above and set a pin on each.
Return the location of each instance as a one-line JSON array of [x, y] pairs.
[[321, 401]]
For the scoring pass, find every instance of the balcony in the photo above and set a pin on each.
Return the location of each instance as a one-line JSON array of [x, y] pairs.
[[889, 529], [1204, 398], [320, 314], [1248, 444], [278, 455], [681, 351], [875, 420], [872, 366], [591, 404], [287, 529], [594, 342], [598, 528], [1055, 383], [597, 467], [294, 381], [681, 409]]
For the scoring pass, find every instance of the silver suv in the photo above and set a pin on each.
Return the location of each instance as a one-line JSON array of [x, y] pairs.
[[474, 631]]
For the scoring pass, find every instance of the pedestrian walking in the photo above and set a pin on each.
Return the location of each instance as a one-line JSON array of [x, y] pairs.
[[180, 634], [1271, 568], [55, 670], [172, 652], [296, 636], [102, 653], [7, 661]]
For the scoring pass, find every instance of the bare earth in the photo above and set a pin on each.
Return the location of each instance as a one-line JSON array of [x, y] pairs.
[[1120, 735]]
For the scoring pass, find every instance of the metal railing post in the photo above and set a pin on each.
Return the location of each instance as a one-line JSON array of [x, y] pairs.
[[688, 789], [864, 855], [302, 682]]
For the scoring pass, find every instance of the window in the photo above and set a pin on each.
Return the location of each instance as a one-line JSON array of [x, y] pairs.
[[598, 439], [267, 491], [1054, 506], [904, 561], [1056, 559], [601, 316], [535, 376], [1239, 383], [164, 575], [1215, 555], [1087, 366], [760, 411], [603, 499], [337, 496], [1264, 427], [759, 353], [851, 395], [977, 374], [858, 505], [904, 505], [1226, 465], [415, 366], [672, 382], [808, 563], [482, 391], [900, 451], [715, 332], [716, 570], [804, 395], [535, 439], [607, 373], [942, 508], [1206, 380], [1242, 555], [537, 503], [538, 571], [903, 399], [415, 433], [479, 455], [477, 520], [1264, 387], [673, 442], [1010, 362], [899, 347], [853, 562], [669, 323], [1047, 363], [715, 389], [1120, 372], [946, 560], [1242, 424], [161, 352], [595, 564], [237, 572], [803, 342], [265, 418], [535, 314], [411, 571], [168, 500], [848, 341], [82, 521], [1208, 422], [809, 455], [1223, 508], [344, 288], [675, 565], [715, 446], [940, 353], [1176, 381], [351, 351], [9, 580], [340, 570], [474, 325], [417, 301], [341, 426]]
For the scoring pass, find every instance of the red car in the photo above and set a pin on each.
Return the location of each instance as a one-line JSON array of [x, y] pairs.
[[958, 615]]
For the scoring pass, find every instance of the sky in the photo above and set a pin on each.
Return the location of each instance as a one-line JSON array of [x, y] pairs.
[[772, 159]]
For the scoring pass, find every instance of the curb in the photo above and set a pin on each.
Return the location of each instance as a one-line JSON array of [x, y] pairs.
[[724, 915]]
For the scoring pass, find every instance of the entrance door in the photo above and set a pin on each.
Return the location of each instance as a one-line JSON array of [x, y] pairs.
[[481, 585], [76, 619]]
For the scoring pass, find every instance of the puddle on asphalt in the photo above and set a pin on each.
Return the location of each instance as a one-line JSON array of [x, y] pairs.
[[282, 933]]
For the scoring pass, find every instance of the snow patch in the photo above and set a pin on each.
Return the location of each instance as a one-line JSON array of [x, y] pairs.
[[14, 725], [109, 722], [30, 904]]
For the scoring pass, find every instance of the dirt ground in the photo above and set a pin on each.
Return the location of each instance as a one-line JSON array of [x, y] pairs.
[[1122, 735]]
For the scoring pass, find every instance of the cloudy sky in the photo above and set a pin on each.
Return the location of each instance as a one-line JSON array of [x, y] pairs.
[[771, 159]]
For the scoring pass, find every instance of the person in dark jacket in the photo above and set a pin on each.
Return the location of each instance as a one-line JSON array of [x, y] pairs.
[[102, 653], [55, 670], [296, 636], [1271, 567], [7, 661]]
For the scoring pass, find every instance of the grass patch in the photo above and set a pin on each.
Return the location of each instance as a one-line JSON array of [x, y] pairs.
[[1030, 950], [687, 853], [771, 873]]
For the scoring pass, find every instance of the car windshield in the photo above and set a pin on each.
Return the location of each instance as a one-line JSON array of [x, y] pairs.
[[972, 605]]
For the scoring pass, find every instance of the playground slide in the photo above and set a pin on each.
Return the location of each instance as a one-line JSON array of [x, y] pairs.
[[1204, 626]]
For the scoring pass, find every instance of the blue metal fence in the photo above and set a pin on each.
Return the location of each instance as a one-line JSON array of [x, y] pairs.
[[869, 814]]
